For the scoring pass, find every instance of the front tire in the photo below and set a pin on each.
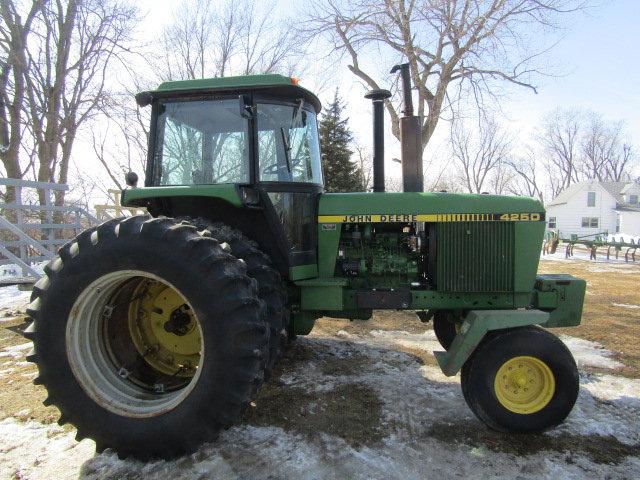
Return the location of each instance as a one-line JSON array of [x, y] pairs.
[[148, 336], [445, 328], [521, 380]]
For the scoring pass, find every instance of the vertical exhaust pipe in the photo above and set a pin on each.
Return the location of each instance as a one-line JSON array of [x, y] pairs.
[[410, 136], [378, 97]]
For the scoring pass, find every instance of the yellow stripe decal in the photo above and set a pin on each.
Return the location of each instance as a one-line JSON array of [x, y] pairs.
[[432, 217]]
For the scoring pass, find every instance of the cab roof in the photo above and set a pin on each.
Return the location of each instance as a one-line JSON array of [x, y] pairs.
[[271, 83]]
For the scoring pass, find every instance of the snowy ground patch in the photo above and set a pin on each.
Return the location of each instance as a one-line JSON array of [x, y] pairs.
[[358, 405], [11, 299], [428, 431], [362, 409], [30, 450], [16, 351], [590, 354], [397, 338], [625, 305]]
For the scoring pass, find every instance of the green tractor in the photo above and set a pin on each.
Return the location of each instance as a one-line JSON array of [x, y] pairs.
[[153, 333]]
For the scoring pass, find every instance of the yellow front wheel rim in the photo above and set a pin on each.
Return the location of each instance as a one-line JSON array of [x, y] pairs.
[[524, 385]]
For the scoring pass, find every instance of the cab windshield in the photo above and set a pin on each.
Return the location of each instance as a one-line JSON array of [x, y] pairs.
[[201, 142], [288, 149], [207, 142]]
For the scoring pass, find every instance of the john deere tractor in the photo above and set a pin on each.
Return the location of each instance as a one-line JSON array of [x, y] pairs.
[[153, 333]]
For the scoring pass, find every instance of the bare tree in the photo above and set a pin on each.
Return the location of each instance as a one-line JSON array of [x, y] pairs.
[[444, 183], [560, 141], [598, 144], [77, 42], [526, 180], [605, 156], [502, 178], [479, 155], [450, 45], [241, 37], [204, 39], [14, 37], [364, 161], [578, 145], [119, 136], [618, 166]]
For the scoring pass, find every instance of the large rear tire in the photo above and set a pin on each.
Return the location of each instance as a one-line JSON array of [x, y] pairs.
[[148, 336], [271, 288], [521, 380]]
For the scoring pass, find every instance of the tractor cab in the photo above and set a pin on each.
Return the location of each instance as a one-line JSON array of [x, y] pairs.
[[255, 137]]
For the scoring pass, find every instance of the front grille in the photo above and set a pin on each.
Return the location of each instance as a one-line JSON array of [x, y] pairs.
[[475, 256]]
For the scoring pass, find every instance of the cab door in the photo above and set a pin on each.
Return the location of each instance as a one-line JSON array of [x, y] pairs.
[[288, 170]]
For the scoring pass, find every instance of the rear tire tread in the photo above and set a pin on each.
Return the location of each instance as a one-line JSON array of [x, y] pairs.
[[244, 308]]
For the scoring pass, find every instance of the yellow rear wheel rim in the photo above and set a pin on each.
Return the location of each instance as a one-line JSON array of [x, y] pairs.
[[524, 385], [164, 329]]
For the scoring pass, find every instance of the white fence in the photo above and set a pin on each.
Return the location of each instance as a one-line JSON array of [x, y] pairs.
[[31, 231]]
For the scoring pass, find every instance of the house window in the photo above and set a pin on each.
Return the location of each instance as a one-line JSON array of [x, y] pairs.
[[591, 199], [590, 222], [633, 199], [552, 222], [618, 223]]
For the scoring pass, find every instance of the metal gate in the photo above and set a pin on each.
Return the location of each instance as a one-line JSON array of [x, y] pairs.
[[31, 231]]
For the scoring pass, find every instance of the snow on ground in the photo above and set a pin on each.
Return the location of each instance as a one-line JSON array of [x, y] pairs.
[[590, 354], [421, 426], [16, 351], [394, 338], [30, 450], [625, 305], [11, 298]]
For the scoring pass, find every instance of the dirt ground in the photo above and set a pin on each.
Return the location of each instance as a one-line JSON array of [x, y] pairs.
[[364, 399]]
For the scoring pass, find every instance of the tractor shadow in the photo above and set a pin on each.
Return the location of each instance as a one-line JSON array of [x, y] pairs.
[[345, 401], [340, 388]]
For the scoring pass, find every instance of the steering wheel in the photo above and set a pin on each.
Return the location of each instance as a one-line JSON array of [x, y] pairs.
[[274, 169]]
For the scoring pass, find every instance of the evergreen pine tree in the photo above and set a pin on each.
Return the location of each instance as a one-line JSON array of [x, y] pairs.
[[340, 173]]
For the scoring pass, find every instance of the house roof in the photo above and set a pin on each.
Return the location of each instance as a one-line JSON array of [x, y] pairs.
[[566, 194], [625, 207], [615, 189]]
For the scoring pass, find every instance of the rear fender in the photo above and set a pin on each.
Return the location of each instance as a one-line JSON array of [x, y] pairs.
[[260, 224]]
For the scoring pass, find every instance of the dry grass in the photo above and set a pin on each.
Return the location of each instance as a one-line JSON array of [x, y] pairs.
[[19, 397], [617, 328]]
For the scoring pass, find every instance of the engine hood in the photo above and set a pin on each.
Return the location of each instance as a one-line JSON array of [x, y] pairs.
[[427, 207]]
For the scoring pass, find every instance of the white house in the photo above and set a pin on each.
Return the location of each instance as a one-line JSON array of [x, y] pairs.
[[591, 207]]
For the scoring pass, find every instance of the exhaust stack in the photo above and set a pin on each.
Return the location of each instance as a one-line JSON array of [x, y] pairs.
[[410, 137], [378, 97]]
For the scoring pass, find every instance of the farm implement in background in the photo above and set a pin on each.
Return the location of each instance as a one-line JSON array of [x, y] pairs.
[[613, 244]]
